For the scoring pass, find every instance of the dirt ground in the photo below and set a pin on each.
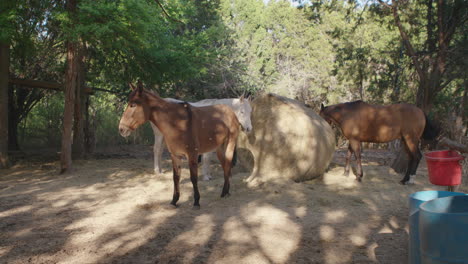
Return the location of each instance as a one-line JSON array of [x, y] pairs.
[[113, 209]]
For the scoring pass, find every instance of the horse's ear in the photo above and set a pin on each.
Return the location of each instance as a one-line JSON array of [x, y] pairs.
[[249, 96], [139, 87], [131, 86], [242, 98], [322, 106]]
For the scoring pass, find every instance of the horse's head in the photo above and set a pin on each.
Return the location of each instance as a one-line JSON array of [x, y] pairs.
[[324, 113], [137, 111], [243, 112]]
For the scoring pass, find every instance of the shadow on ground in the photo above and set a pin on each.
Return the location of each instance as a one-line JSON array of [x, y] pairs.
[[117, 211]]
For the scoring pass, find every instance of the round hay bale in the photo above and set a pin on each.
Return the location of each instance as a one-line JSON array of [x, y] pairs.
[[289, 141]]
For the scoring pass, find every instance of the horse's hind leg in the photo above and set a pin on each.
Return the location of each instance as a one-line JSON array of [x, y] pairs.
[[193, 164], [176, 178], [221, 154], [356, 148], [414, 154], [348, 160], [225, 156]]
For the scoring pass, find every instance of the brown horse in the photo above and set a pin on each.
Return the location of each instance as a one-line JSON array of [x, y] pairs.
[[188, 131], [363, 122]]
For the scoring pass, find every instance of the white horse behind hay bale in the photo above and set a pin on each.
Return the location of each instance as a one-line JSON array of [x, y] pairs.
[[289, 141]]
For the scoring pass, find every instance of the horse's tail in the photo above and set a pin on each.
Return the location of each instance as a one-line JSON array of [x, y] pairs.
[[430, 130], [234, 158]]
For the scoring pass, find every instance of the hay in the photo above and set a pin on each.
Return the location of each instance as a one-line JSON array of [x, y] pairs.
[[289, 141]]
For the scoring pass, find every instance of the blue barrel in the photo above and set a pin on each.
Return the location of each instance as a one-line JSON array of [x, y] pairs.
[[443, 230], [415, 200]]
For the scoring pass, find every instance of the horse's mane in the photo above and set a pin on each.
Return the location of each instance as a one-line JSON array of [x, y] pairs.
[[151, 92], [354, 102]]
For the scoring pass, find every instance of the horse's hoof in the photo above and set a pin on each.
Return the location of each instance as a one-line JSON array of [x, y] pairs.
[[225, 195], [196, 207], [174, 204], [359, 179]]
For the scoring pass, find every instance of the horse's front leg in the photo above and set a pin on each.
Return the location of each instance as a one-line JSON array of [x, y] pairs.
[[193, 164], [225, 156], [176, 177], [348, 160], [356, 147]]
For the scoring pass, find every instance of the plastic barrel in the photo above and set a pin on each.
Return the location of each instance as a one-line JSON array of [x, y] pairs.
[[415, 200], [443, 230]]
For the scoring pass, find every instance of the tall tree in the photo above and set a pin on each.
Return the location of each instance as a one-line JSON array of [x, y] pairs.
[[71, 83], [80, 121], [431, 60], [4, 75], [7, 11]]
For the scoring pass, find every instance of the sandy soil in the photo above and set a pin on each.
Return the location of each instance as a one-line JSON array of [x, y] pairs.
[[115, 210]]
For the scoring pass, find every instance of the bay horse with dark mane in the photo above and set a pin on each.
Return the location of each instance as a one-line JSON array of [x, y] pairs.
[[363, 122], [188, 131]]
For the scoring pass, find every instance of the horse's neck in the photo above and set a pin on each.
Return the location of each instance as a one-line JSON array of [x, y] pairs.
[[162, 111], [160, 108], [336, 116]]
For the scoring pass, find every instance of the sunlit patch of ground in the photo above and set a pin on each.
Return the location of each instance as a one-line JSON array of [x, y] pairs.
[[117, 211]]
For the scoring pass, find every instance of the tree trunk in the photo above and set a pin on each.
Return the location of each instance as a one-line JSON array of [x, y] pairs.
[[71, 82], [4, 74], [79, 114], [90, 129], [13, 121], [396, 86]]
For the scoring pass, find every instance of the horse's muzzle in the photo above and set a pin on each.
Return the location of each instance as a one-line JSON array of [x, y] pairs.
[[124, 131], [246, 129]]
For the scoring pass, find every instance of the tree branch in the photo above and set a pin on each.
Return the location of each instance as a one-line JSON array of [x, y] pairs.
[[453, 145], [166, 14], [406, 41], [385, 4]]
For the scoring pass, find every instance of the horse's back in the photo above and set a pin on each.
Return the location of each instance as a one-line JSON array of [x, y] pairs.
[[214, 125], [218, 113], [377, 123]]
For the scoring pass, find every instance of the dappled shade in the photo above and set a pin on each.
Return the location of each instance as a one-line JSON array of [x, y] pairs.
[[289, 141]]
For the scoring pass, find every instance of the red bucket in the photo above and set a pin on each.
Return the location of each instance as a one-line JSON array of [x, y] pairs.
[[444, 167]]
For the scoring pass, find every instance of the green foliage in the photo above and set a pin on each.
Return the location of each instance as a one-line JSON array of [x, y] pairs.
[[105, 112], [42, 127], [8, 15], [321, 51]]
